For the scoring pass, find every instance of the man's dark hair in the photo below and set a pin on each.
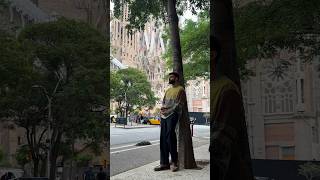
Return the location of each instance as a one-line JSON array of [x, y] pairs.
[[175, 74], [215, 46], [101, 169]]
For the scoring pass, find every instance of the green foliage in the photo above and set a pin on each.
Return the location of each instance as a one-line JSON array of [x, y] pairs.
[[64, 61], [157, 111], [309, 170], [263, 28], [137, 94], [83, 160], [23, 155], [17, 75], [142, 11], [195, 48], [4, 3], [72, 55]]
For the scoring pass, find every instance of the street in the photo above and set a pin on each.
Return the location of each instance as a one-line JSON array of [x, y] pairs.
[[124, 155]]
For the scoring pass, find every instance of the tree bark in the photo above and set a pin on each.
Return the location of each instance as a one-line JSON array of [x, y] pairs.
[[43, 168], [35, 167], [73, 155], [53, 162], [175, 39], [34, 154], [185, 147], [222, 27], [54, 153]]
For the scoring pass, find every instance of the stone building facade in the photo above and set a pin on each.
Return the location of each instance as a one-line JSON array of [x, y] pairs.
[[283, 111], [143, 50], [140, 49], [198, 95]]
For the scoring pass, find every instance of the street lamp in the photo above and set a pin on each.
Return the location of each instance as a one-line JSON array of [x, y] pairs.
[[127, 85], [49, 121]]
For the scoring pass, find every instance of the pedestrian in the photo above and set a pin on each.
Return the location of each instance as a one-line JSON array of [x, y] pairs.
[[229, 148], [171, 110], [101, 175], [88, 174]]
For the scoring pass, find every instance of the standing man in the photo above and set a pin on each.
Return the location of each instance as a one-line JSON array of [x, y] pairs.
[[170, 112], [229, 148]]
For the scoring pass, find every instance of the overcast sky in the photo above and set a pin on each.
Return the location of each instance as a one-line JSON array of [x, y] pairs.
[[186, 15]]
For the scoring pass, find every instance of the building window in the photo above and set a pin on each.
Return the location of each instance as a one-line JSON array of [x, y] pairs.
[[272, 152], [288, 153]]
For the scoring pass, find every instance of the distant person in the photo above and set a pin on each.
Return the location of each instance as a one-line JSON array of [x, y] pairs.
[[172, 103], [229, 148], [88, 174], [101, 175]]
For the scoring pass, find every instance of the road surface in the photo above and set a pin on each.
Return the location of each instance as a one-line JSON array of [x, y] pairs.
[[124, 155]]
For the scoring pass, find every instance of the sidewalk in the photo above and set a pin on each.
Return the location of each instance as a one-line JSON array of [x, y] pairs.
[[133, 126], [146, 172]]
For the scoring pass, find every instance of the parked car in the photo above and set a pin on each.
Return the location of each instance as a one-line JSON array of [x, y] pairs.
[[150, 120]]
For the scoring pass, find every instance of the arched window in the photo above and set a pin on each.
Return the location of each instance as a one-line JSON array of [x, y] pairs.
[[278, 91]]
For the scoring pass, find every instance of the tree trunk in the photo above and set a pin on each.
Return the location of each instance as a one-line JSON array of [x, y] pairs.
[[222, 27], [35, 167], [53, 164], [43, 168], [175, 39], [54, 154], [71, 163], [185, 147]]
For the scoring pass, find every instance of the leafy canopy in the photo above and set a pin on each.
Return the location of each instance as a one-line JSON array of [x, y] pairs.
[[62, 60], [133, 86], [143, 11], [263, 28], [195, 48]]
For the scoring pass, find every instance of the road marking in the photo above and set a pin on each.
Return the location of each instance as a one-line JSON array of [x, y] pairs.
[[133, 148], [120, 147], [201, 137]]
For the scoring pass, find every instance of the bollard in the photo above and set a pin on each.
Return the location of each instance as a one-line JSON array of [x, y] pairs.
[[192, 130], [191, 124]]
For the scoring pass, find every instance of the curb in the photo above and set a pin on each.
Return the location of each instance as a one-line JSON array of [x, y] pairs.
[[146, 172], [134, 127]]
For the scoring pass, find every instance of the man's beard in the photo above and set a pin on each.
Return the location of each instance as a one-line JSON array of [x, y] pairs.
[[171, 81]]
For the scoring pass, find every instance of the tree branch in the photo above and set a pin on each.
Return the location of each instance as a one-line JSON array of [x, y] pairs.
[[41, 135]]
